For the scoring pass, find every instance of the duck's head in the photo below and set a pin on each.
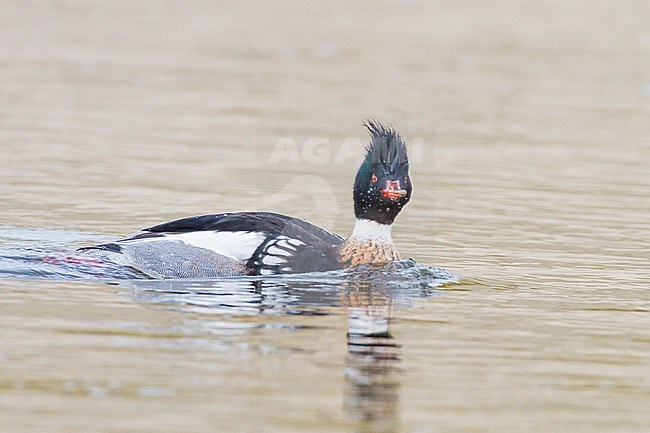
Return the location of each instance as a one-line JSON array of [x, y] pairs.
[[383, 185]]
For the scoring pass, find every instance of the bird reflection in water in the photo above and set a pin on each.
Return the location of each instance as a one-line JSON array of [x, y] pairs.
[[371, 373]]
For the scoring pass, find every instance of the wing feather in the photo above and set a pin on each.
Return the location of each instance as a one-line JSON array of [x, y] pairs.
[[264, 242]]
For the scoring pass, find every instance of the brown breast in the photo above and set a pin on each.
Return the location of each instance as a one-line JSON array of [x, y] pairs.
[[355, 252]]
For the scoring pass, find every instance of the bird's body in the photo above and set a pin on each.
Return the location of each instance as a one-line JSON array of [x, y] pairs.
[[262, 243]]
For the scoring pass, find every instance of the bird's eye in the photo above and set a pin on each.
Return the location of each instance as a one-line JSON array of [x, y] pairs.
[[374, 178]]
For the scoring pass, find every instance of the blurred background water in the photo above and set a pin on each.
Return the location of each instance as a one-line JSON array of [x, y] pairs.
[[529, 125]]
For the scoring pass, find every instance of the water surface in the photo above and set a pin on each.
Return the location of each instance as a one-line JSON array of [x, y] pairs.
[[529, 130]]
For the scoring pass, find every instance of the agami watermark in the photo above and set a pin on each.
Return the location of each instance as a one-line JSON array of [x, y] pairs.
[[324, 150]]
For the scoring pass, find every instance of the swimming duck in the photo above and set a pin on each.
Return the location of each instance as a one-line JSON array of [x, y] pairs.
[[263, 243]]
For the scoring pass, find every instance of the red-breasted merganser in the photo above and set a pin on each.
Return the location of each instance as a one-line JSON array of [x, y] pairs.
[[262, 243]]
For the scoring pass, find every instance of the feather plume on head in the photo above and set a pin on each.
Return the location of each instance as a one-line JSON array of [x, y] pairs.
[[387, 147]]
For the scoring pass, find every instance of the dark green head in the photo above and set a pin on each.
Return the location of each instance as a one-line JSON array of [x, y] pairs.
[[382, 186]]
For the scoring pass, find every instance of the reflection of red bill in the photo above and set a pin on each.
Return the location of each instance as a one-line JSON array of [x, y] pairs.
[[53, 260], [94, 263]]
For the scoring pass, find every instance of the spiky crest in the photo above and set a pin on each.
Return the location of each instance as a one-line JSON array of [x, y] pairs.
[[387, 147]]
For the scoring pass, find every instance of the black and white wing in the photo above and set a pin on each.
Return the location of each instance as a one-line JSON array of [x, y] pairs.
[[242, 243], [287, 254]]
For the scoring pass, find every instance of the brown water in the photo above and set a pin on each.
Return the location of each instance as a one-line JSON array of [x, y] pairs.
[[529, 124]]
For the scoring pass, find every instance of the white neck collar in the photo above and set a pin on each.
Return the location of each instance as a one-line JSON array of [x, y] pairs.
[[368, 230]]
